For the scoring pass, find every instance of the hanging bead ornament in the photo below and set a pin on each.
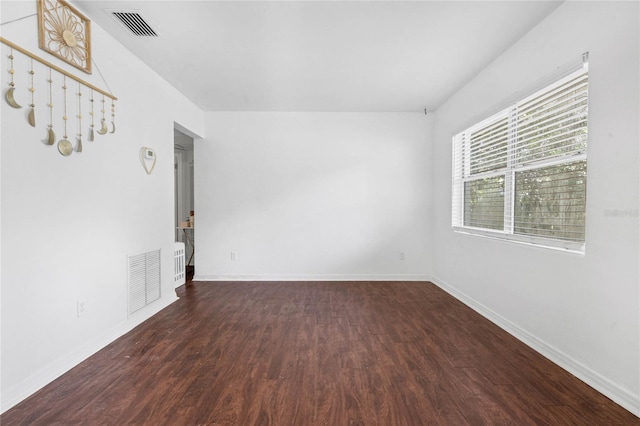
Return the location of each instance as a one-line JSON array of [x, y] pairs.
[[12, 87], [113, 116], [51, 136], [103, 129], [91, 114], [31, 117], [64, 146], [79, 116]]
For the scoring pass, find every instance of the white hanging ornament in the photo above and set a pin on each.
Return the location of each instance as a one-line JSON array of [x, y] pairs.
[[11, 100], [79, 116], [64, 146]]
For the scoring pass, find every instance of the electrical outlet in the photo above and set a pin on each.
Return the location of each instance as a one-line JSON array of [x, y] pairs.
[[234, 255], [402, 257], [81, 307]]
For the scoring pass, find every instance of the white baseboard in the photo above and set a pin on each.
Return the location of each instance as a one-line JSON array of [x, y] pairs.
[[58, 367], [314, 277], [619, 395]]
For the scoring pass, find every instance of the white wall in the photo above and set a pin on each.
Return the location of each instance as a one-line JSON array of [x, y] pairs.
[[581, 311], [69, 223], [312, 196]]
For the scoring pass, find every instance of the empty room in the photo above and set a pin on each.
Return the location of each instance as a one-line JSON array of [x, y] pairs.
[[320, 212]]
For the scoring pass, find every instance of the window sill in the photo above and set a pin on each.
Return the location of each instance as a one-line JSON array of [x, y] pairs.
[[545, 243]]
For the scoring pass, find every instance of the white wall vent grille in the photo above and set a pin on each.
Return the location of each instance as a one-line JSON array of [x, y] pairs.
[[144, 280], [179, 273], [134, 22]]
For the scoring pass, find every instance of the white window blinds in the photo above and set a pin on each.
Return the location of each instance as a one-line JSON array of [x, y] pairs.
[[522, 172], [553, 123]]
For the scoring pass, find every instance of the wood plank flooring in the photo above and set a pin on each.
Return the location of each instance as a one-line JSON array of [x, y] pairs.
[[319, 353]]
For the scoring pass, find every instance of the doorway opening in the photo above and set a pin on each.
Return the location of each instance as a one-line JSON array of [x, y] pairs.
[[184, 197]]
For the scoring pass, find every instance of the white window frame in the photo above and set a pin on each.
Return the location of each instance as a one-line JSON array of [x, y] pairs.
[[458, 180]]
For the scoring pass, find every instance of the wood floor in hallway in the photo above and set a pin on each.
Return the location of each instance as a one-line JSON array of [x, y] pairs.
[[317, 353]]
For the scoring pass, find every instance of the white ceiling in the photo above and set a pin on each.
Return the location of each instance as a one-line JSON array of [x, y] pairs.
[[320, 55]]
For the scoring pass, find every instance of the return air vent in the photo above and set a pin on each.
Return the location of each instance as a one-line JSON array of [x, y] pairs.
[[134, 22], [144, 279]]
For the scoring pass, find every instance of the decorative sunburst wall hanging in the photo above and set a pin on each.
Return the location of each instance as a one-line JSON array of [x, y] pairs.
[[64, 32]]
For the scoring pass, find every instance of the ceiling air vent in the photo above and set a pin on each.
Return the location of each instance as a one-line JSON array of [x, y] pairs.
[[134, 22]]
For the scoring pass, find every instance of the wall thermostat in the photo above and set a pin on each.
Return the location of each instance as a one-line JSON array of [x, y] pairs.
[[148, 159]]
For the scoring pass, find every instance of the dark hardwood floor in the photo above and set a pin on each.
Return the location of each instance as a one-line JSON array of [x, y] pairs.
[[318, 353]]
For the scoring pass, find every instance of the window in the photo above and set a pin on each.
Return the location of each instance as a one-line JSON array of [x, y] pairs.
[[521, 174]]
